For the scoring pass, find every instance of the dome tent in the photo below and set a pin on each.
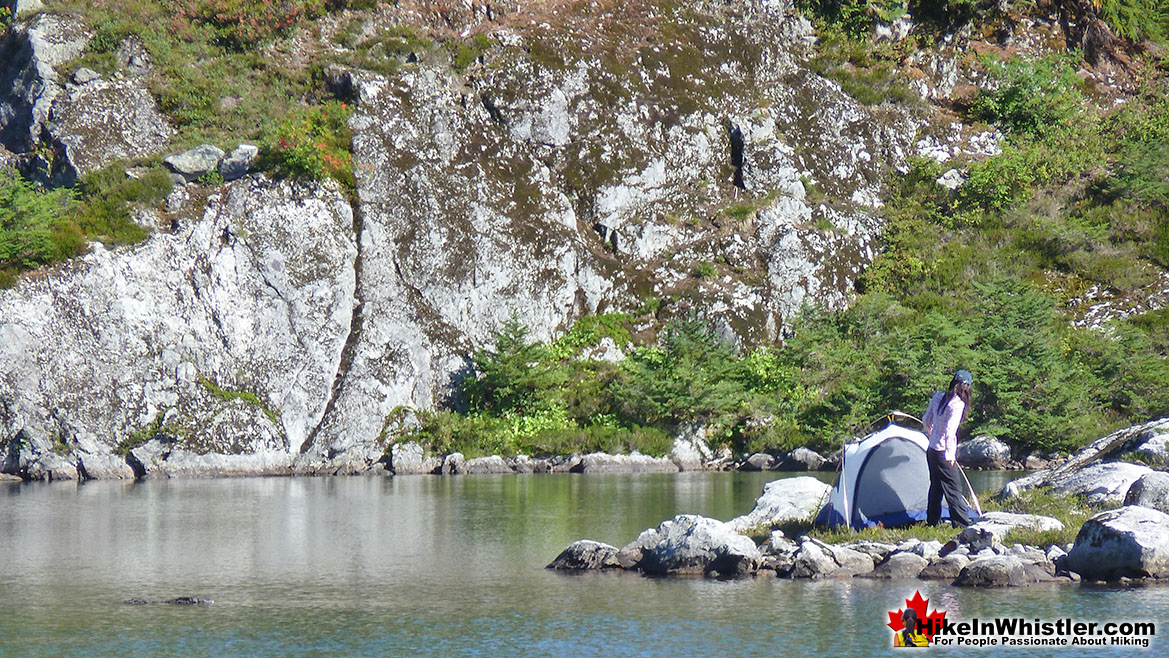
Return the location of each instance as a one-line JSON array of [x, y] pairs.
[[883, 480]]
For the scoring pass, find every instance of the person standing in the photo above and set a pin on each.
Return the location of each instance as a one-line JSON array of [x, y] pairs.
[[946, 411]]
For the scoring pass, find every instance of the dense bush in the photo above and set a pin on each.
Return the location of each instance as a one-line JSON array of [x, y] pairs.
[[1136, 19], [35, 226], [244, 24], [313, 142], [39, 226], [1032, 97]]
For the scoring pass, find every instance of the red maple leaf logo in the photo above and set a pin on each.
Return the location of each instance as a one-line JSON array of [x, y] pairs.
[[929, 623]]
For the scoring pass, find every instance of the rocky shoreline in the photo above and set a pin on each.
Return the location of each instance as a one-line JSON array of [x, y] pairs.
[[1124, 545], [164, 457]]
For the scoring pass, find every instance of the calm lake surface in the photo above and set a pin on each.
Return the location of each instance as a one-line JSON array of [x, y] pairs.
[[428, 565]]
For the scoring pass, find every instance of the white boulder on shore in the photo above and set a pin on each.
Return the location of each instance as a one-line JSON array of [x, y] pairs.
[[785, 499], [984, 452], [1101, 483], [1130, 542], [695, 545], [999, 524], [585, 554], [1151, 490]]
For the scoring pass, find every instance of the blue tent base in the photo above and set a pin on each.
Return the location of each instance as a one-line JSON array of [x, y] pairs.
[[830, 517]]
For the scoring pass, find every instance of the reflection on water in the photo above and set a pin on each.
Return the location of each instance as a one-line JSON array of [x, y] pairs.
[[428, 565]]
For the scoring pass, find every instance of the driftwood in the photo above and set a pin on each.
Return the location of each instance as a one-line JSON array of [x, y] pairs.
[[1097, 449]]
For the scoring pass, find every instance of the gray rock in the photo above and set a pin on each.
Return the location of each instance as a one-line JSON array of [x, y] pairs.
[[1074, 466], [521, 464], [188, 600], [1034, 462], [492, 465], [21, 7], [103, 467], [1101, 483], [878, 550], [984, 452], [236, 164], [52, 467], [410, 459], [815, 559], [952, 179], [182, 312], [758, 462], [1054, 553], [585, 555], [85, 75], [925, 549], [29, 83], [899, 565], [1150, 490], [500, 221], [801, 459], [182, 463], [557, 464], [1154, 445], [944, 568], [630, 555], [454, 464], [690, 451], [691, 545], [599, 462], [997, 571], [196, 162], [133, 58], [779, 554], [1128, 542], [998, 524], [785, 499], [101, 122]]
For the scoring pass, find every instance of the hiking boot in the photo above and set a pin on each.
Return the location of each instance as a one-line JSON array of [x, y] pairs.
[[948, 547]]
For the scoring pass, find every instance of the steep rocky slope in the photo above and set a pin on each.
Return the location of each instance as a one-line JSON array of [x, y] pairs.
[[590, 162]]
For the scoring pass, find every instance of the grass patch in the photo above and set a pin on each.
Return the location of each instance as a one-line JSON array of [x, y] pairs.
[[704, 270], [1072, 511], [842, 535], [39, 227], [144, 434], [245, 396]]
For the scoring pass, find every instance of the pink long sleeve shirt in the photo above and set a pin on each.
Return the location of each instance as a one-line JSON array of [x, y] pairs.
[[942, 428]]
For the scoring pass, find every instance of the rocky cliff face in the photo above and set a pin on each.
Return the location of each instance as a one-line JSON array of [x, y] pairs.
[[275, 327]]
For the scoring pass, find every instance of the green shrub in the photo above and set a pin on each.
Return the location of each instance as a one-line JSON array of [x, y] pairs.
[[704, 270], [313, 142], [224, 395], [1033, 97], [245, 24], [109, 197], [464, 53], [1136, 19], [854, 17], [36, 226], [588, 332], [693, 376]]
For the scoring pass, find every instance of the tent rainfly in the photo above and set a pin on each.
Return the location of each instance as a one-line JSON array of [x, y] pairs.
[[883, 480]]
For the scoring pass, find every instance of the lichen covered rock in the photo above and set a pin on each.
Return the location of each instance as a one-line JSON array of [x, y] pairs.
[[1130, 542]]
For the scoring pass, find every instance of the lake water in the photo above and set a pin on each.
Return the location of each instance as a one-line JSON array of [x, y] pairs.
[[429, 565]]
